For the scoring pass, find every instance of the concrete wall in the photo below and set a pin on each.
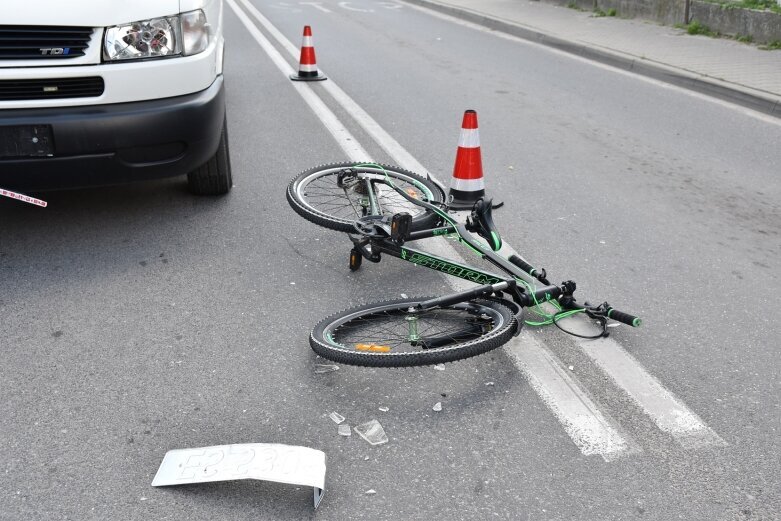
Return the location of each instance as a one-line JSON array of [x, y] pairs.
[[763, 26]]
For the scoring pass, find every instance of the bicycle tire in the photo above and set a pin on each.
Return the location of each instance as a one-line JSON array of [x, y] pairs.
[[333, 336], [340, 212]]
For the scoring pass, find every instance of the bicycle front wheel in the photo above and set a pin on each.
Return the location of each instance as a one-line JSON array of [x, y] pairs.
[[390, 334], [337, 195]]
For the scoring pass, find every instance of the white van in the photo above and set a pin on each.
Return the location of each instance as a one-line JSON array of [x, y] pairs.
[[96, 92]]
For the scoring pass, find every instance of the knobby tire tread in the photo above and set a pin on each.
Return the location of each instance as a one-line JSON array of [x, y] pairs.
[[427, 220], [483, 344]]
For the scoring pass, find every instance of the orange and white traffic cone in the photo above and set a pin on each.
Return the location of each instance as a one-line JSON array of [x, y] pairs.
[[307, 65], [467, 184]]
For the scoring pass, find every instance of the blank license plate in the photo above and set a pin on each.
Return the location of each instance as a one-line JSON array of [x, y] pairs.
[[26, 141]]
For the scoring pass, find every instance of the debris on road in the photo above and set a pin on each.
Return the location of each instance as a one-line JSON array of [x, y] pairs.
[[344, 430], [370, 492], [293, 465], [437, 407], [439, 367], [336, 417], [372, 432], [325, 368], [384, 409], [23, 198]]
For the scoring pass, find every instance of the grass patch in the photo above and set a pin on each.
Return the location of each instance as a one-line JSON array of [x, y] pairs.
[[696, 27], [759, 5], [775, 45], [599, 13], [744, 38]]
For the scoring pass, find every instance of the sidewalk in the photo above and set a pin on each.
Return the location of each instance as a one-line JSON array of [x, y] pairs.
[[726, 69]]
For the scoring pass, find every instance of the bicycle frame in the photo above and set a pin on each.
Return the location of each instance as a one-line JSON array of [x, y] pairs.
[[489, 281], [431, 329], [525, 295]]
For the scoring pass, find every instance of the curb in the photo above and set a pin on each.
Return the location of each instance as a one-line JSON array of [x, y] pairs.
[[751, 99]]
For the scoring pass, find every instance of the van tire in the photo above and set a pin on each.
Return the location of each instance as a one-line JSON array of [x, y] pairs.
[[214, 176]]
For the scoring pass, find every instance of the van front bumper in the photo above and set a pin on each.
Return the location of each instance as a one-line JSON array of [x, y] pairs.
[[117, 143]]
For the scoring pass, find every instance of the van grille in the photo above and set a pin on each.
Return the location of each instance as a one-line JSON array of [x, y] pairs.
[[51, 88], [28, 42]]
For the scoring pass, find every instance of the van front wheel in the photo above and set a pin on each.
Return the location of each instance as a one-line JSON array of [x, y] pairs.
[[214, 176]]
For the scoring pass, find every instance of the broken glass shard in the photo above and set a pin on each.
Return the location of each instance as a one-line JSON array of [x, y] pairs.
[[336, 417], [344, 430], [325, 368], [372, 432]]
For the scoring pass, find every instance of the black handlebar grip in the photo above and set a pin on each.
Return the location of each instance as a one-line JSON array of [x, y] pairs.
[[624, 318], [525, 266]]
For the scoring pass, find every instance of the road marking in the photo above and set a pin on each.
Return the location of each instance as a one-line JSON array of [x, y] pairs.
[[499, 34], [366, 122], [346, 5], [590, 430], [605, 441], [667, 412], [286, 6], [317, 5], [343, 137]]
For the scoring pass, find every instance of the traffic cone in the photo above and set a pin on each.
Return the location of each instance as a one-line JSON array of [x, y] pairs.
[[307, 65], [467, 185]]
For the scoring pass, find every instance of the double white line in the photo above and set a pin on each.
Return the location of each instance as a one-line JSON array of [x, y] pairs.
[[592, 431]]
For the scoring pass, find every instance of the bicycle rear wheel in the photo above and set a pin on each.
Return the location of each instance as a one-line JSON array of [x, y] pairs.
[[337, 195], [387, 334]]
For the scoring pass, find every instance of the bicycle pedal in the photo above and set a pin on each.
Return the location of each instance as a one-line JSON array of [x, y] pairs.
[[400, 227], [355, 259]]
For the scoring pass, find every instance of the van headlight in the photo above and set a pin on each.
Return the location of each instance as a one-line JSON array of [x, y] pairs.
[[184, 34]]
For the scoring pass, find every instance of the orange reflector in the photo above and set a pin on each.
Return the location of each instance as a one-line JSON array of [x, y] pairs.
[[372, 347], [412, 193]]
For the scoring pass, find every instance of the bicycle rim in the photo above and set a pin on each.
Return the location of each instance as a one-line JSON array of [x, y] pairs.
[[381, 335], [318, 194]]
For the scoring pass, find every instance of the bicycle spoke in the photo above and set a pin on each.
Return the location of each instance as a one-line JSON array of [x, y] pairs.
[[391, 328], [326, 196]]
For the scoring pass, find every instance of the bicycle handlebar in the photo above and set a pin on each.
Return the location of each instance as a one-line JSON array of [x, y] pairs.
[[548, 292], [624, 318]]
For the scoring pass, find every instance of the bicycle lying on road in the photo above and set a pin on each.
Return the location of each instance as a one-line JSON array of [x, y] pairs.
[[383, 208]]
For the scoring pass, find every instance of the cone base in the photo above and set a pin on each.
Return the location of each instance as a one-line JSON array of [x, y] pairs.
[[460, 200], [316, 77]]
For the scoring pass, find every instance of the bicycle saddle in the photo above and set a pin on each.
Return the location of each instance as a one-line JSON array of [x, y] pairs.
[[481, 222]]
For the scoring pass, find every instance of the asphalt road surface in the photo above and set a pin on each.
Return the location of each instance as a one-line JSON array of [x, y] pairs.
[[139, 319]]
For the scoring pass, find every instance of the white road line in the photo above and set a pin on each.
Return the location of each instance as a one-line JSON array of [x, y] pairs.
[[592, 432], [343, 137], [367, 123], [317, 5], [499, 34], [669, 413]]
